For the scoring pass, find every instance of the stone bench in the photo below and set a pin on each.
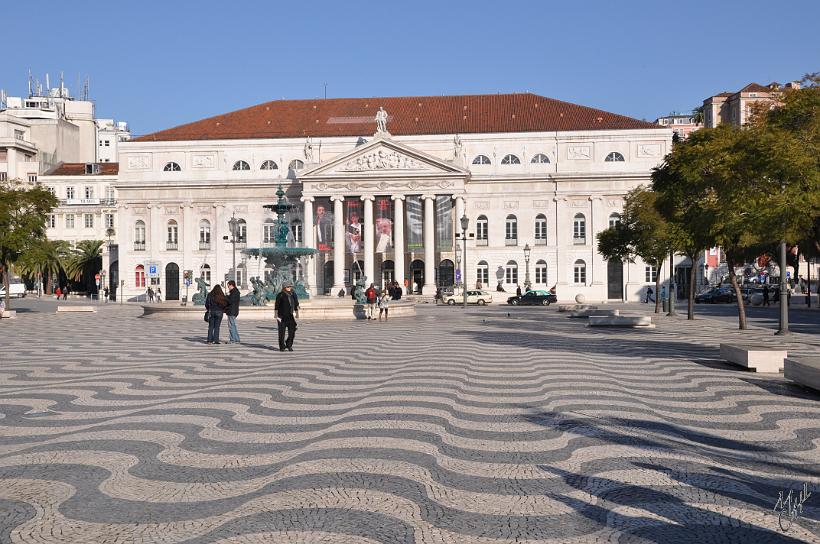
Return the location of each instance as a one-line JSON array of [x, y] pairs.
[[593, 312], [643, 322], [62, 309], [9, 314], [804, 371], [753, 357], [573, 307]]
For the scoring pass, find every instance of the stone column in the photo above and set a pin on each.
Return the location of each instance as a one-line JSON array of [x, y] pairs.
[[429, 287], [189, 242], [309, 241], [368, 232], [562, 234], [218, 245], [597, 224], [398, 239], [338, 245]]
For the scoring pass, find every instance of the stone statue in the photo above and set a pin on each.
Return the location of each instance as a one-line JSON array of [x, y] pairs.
[[458, 147], [202, 292], [381, 121], [358, 291], [309, 150]]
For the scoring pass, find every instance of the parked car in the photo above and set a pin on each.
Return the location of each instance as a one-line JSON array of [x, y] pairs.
[[716, 294], [533, 298], [15, 290], [473, 297]]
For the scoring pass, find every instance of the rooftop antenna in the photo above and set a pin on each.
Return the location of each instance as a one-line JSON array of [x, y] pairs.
[[3, 99], [38, 88], [325, 91], [29, 82], [48, 85], [85, 88], [62, 85]]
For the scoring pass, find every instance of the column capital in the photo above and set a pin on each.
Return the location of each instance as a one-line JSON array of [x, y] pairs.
[[428, 197], [307, 199], [397, 197], [456, 197], [334, 198], [595, 198], [560, 199], [371, 198]]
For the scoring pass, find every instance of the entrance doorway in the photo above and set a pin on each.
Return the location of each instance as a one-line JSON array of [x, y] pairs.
[[446, 274], [615, 280], [388, 272], [114, 279], [172, 282], [417, 275], [328, 278]]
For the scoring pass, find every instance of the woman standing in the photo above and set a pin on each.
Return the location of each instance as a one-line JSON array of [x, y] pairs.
[[215, 304], [384, 303]]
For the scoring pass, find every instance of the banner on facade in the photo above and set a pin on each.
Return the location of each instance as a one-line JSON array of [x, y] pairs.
[[353, 226], [444, 223], [383, 224], [414, 223], [324, 224]]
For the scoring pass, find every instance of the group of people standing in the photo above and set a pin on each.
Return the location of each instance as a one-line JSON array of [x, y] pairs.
[[218, 305], [381, 299]]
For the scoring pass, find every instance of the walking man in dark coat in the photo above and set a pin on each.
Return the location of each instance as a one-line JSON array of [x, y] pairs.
[[287, 309], [232, 311]]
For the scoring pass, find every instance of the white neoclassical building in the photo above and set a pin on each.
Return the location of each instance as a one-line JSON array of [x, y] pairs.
[[384, 199]]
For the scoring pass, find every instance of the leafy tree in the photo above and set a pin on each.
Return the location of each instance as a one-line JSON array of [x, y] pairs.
[[23, 211], [84, 262], [643, 232], [43, 258]]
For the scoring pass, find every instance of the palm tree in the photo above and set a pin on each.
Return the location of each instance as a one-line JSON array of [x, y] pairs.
[[84, 262], [43, 258]]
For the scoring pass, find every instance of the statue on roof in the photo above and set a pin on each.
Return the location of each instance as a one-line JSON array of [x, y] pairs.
[[381, 121], [458, 148], [309, 150]]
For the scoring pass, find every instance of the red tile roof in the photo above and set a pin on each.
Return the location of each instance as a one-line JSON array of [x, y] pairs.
[[755, 88], [409, 115], [78, 169]]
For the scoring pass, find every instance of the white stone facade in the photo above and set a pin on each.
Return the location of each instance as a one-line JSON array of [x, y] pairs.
[[194, 186]]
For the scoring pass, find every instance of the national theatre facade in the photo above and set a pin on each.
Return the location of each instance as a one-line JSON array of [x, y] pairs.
[[380, 185]]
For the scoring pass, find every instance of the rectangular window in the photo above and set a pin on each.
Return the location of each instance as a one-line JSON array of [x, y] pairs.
[[267, 233], [109, 220], [540, 274], [481, 232], [89, 220], [52, 221], [511, 274], [651, 274], [19, 135], [69, 193], [69, 221], [4, 176], [32, 178], [540, 231], [483, 275], [89, 192], [106, 143]]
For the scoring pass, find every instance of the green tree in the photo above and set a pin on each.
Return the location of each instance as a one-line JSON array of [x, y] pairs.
[[43, 258], [23, 212], [84, 262], [643, 232]]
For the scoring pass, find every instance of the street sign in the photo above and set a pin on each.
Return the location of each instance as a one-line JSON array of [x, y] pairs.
[[187, 277], [458, 275], [153, 270]]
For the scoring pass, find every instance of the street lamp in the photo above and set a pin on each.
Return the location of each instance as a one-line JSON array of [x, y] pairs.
[[233, 223], [527, 251], [465, 223], [459, 272], [109, 232]]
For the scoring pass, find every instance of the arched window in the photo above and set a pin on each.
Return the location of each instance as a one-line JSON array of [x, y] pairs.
[[269, 165], [511, 272], [298, 272], [172, 167], [296, 230], [481, 159], [204, 234], [541, 272], [579, 270], [139, 276], [540, 158], [541, 229], [241, 275], [511, 231], [482, 273], [510, 159], [614, 220], [139, 235], [481, 230], [172, 241], [296, 164], [579, 229], [614, 157], [241, 165], [205, 273], [241, 231], [268, 231]]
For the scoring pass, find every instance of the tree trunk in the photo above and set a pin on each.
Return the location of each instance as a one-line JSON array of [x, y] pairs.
[[741, 309], [4, 269], [658, 289], [690, 307]]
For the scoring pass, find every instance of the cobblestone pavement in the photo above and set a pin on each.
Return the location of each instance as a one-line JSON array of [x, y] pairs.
[[495, 425]]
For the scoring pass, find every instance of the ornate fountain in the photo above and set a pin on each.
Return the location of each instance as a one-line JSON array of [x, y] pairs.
[[281, 258]]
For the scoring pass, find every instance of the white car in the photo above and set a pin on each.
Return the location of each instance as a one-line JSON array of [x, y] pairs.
[[15, 290], [473, 297]]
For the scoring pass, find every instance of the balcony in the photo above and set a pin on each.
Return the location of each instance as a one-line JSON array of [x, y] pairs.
[[481, 242], [82, 201], [171, 246], [204, 246], [541, 241], [139, 246], [510, 241], [578, 241]]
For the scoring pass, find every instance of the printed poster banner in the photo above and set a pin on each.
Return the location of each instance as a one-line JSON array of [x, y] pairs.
[[383, 224], [323, 219]]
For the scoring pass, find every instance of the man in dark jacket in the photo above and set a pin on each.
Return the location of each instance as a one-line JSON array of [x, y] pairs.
[[232, 311], [286, 306]]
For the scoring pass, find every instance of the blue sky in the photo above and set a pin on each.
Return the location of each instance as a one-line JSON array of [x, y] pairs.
[[160, 64]]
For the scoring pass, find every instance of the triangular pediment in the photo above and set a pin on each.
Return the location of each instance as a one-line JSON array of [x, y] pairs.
[[383, 157]]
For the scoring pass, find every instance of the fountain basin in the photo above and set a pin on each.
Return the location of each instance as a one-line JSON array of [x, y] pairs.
[[315, 309]]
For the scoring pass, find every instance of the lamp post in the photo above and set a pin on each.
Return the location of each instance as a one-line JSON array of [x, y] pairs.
[[459, 271], [783, 297], [671, 295], [527, 251], [109, 232], [465, 223], [233, 224]]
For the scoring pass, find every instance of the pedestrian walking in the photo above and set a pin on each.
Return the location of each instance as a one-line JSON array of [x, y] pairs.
[[395, 291], [287, 310], [232, 311], [158, 295], [372, 299], [518, 291], [150, 295], [105, 294], [663, 293], [438, 296], [58, 293], [384, 305], [649, 295], [215, 304], [766, 295], [407, 286], [65, 293]]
